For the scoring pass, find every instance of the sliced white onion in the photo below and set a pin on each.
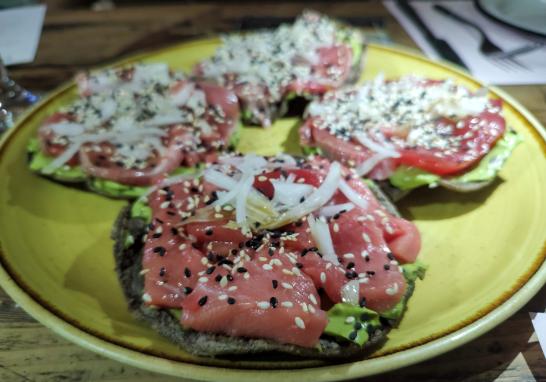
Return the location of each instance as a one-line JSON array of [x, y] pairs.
[[219, 179], [181, 97], [352, 195], [289, 193], [241, 200], [376, 147], [162, 120], [321, 235], [334, 209], [368, 165], [67, 128], [170, 182], [350, 292], [314, 201], [107, 109], [62, 159]]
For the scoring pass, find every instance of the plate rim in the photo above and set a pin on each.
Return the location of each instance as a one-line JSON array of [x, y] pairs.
[[519, 296]]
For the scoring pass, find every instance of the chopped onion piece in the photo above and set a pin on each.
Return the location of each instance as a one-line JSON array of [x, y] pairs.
[[219, 179], [350, 292], [317, 199], [376, 147], [67, 128], [352, 195], [368, 165], [62, 159], [169, 182], [321, 234], [240, 203], [329, 211], [289, 193], [163, 120]]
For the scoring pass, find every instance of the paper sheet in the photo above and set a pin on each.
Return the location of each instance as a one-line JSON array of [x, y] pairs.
[[539, 323], [20, 30]]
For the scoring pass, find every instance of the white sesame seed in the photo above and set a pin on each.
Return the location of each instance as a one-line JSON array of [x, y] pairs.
[[223, 282], [204, 261], [267, 267], [286, 286], [263, 304], [182, 246], [261, 258], [262, 178], [218, 216], [323, 277], [366, 237], [364, 280], [227, 207], [232, 288], [299, 323], [392, 290], [349, 256], [296, 271], [223, 297], [287, 272], [336, 227], [304, 307], [144, 271], [146, 297], [311, 309], [350, 320], [164, 205], [313, 299], [329, 265], [275, 262], [203, 279], [364, 254], [246, 276]]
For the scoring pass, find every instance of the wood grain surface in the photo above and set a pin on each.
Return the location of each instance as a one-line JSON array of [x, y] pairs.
[[79, 38]]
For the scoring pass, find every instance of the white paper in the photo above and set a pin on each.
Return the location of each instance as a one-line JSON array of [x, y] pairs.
[[20, 30], [465, 41], [539, 323]]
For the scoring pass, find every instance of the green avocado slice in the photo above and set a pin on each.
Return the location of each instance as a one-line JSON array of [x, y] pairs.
[[354, 323], [408, 178]]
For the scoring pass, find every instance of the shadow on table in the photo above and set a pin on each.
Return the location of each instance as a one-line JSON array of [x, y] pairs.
[[487, 357]]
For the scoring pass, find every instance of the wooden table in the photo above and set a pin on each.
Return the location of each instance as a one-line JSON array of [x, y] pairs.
[[75, 39]]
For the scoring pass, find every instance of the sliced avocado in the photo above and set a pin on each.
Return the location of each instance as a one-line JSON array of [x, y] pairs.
[[141, 210], [38, 161], [407, 178], [341, 324], [308, 150], [115, 189]]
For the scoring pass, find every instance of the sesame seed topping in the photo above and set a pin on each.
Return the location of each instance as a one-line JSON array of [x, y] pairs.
[[232, 288], [223, 297], [299, 322], [273, 301], [223, 282], [348, 256], [203, 279], [275, 284], [286, 286], [313, 299], [336, 227], [263, 304], [231, 301], [323, 277], [287, 304], [202, 301], [350, 320], [187, 272]]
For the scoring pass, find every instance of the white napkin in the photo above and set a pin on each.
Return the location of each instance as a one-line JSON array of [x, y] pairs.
[[20, 30], [465, 41]]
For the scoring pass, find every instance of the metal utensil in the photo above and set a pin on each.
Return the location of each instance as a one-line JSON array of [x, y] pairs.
[[487, 47], [11, 93], [6, 119]]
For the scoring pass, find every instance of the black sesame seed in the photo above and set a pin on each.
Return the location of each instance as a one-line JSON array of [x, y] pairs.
[[367, 258], [299, 223], [241, 245], [208, 232], [353, 335], [390, 256], [234, 251], [174, 231], [351, 275], [194, 189], [271, 251], [313, 249], [257, 224], [159, 220], [365, 317], [370, 329], [275, 284], [299, 265], [241, 270], [162, 271], [273, 301], [231, 300], [210, 270], [386, 267], [218, 278], [156, 235], [195, 245], [202, 301], [171, 213], [302, 199], [211, 256], [187, 272], [370, 273], [187, 290], [358, 325], [362, 302], [304, 252], [160, 251], [350, 265], [229, 277]]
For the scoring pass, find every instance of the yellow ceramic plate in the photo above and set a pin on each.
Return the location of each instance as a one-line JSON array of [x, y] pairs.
[[485, 250]]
